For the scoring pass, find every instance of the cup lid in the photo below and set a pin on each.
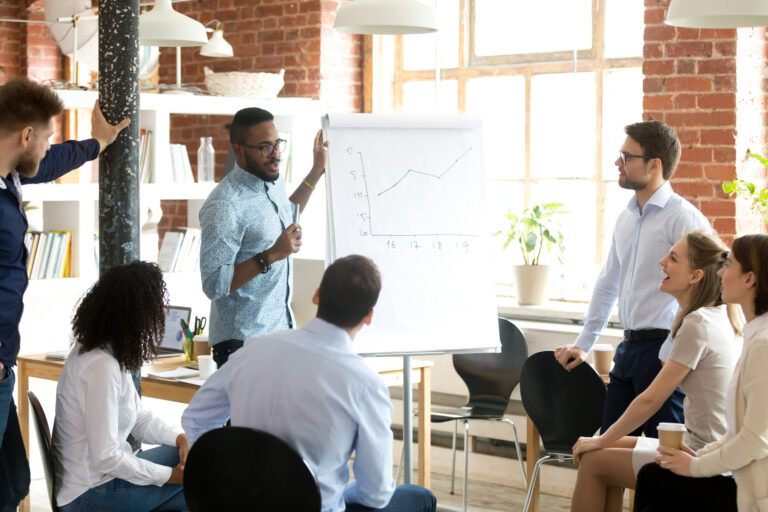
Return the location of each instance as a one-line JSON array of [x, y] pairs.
[[672, 427], [602, 346]]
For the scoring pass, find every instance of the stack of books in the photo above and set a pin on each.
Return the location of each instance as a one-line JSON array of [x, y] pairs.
[[180, 250], [50, 254]]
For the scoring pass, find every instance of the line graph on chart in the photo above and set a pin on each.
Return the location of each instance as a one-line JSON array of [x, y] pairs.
[[425, 199]]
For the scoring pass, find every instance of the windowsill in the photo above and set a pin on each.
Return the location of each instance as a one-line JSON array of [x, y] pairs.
[[553, 311]]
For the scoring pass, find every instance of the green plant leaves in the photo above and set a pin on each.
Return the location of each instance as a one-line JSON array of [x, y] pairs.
[[535, 230]]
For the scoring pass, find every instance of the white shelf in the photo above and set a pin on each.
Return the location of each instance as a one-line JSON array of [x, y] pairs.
[[72, 192]]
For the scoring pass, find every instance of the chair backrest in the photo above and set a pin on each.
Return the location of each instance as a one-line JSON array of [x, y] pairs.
[[491, 377], [563, 405], [243, 469], [46, 451]]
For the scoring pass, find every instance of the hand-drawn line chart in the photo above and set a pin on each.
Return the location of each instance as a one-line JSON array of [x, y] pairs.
[[430, 200]]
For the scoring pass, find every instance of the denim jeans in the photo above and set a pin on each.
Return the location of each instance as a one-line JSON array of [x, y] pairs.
[[223, 349], [118, 495], [14, 467], [407, 498]]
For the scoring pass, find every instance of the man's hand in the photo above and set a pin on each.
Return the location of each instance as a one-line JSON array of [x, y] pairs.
[[177, 475], [319, 154], [570, 356], [586, 444], [286, 244], [677, 461], [101, 130], [183, 445]]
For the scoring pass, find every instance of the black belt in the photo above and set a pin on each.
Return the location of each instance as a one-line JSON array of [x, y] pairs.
[[645, 334]]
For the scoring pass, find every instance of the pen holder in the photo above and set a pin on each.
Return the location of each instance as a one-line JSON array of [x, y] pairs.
[[189, 349]]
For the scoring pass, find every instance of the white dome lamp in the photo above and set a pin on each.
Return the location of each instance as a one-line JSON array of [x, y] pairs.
[[386, 17], [717, 13], [162, 26], [217, 46]]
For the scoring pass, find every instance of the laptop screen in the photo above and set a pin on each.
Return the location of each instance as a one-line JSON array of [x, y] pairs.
[[173, 340]]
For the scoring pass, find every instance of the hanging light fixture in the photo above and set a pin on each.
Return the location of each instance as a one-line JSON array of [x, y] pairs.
[[717, 13], [162, 26], [217, 46], [385, 17]]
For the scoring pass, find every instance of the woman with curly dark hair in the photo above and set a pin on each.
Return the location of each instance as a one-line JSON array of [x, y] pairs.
[[116, 328]]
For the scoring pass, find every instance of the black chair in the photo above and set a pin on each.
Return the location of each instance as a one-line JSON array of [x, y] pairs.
[[490, 379], [563, 405], [246, 470], [46, 451]]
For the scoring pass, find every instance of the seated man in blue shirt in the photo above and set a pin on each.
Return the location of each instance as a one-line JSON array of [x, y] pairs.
[[27, 111], [310, 388]]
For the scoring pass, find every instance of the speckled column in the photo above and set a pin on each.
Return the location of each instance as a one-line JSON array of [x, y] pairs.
[[119, 163]]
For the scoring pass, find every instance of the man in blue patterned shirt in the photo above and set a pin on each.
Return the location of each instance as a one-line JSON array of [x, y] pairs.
[[248, 235]]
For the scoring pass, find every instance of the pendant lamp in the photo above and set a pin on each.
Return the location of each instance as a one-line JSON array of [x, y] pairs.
[[217, 46], [162, 26], [385, 17], [717, 13]]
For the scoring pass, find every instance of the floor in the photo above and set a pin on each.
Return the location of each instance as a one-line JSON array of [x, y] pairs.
[[483, 497]]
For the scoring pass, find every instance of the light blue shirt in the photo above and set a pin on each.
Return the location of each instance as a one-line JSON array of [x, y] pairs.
[[243, 216], [632, 272], [309, 388]]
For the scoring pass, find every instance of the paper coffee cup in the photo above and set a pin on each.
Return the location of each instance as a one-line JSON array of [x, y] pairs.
[[602, 354], [671, 434], [202, 348], [206, 365]]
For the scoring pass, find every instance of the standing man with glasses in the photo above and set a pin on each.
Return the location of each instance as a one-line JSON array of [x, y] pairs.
[[248, 235], [653, 221]]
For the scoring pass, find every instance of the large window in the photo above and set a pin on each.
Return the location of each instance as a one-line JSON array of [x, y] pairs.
[[555, 82]]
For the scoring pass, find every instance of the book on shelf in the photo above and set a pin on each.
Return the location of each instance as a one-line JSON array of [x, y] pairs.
[[146, 171], [50, 255], [180, 250]]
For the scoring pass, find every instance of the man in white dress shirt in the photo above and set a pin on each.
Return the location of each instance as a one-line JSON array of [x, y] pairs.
[[309, 388], [654, 220]]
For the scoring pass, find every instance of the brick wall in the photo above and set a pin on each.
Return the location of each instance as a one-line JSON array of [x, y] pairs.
[[708, 84], [10, 39]]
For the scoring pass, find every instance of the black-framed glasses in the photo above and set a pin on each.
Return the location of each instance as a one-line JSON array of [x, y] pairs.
[[266, 148], [623, 155]]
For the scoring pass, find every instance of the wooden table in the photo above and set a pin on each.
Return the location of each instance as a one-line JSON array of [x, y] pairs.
[[390, 369]]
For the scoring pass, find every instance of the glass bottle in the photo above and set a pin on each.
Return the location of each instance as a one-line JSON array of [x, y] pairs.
[[206, 156]]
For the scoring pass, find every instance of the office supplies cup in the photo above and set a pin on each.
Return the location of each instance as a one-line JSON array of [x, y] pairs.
[[671, 435], [602, 355], [189, 349]]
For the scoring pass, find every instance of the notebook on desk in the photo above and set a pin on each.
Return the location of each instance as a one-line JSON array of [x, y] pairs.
[[173, 339]]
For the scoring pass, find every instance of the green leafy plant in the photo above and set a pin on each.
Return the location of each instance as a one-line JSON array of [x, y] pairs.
[[534, 230], [748, 191]]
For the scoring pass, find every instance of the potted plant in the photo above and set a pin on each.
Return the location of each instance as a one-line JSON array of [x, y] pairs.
[[747, 190], [535, 231]]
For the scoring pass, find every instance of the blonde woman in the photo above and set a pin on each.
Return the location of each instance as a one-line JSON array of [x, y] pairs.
[[702, 358], [743, 451]]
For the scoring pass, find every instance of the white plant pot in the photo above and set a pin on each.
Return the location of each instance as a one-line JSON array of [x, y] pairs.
[[532, 283]]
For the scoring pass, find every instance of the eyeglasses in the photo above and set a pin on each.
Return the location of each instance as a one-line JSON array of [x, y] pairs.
[[266, 148], [623, 155]]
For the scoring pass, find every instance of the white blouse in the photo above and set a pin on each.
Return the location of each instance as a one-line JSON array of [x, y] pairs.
[[97, 407]]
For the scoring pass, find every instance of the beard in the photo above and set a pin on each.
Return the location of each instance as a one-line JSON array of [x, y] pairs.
[[259, 170], [629, 184], [28, 166]]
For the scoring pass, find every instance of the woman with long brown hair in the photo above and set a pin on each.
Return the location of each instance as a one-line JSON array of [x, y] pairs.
[[701, 360]]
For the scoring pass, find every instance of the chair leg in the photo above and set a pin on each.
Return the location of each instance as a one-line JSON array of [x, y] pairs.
[[400, 465], [453, 455], [466, 464], [517, 449], [532, 483]]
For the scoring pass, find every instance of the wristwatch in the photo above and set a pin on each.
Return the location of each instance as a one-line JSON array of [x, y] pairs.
[[263, 261]]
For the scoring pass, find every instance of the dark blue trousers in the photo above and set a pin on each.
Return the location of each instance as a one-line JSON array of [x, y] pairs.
[[14, 467], [636, 364]]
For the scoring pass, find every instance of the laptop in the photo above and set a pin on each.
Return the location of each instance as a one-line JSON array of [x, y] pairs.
[[173, 339]]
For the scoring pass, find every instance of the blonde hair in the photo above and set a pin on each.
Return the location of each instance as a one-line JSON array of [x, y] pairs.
[[705, 253]]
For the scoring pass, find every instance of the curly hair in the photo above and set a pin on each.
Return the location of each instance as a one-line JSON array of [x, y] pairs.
[[124, 314]]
